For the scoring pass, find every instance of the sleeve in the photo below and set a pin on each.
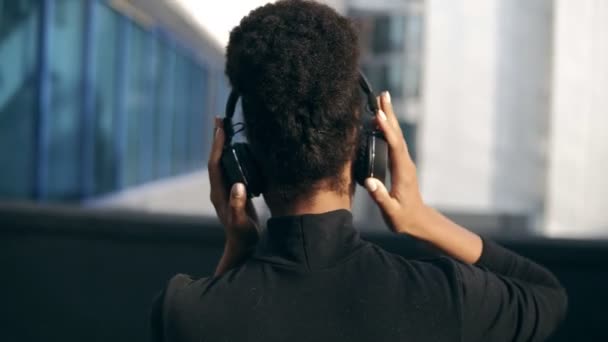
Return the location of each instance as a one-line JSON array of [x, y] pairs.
[[162, 305], [506, 297]]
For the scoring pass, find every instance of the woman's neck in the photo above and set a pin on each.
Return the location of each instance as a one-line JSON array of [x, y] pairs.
[[320, 202]]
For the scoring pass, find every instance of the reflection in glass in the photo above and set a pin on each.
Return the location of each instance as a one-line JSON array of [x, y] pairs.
[[164, 111], [126, 104], [135, 104], [180, 112], [104, 98], [18, 91], [388, 34], [65, 64]]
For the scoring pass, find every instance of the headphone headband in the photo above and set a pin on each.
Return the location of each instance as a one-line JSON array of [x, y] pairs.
[[372, 104], [239, 164], [231, 103]]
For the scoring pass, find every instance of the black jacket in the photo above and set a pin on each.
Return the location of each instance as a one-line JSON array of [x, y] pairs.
[[313, 279]]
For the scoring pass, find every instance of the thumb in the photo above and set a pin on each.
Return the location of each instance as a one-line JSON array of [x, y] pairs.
[[238, 201], [379, 194]]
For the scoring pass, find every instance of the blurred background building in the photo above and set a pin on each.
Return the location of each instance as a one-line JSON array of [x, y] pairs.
[[109, 103], [512, 123], [101, 96]]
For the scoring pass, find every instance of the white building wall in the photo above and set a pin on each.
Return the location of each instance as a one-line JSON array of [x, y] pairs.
[[338, 5], [577, 194], [485, 103]]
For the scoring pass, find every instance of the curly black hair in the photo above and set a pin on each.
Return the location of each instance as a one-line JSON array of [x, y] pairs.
[[295, 64]]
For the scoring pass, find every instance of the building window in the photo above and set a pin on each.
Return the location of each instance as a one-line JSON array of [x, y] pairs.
[[104, 97], [94, 102], [391, 56], [65, 68], [19, 26]]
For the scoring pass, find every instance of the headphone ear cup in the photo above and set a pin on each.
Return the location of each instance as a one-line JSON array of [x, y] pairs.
[[238, 166], [379, 161], [361, 163], [372, 157], [253, 178]]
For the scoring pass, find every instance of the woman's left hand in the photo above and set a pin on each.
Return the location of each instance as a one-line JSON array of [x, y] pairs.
[[234, 210]]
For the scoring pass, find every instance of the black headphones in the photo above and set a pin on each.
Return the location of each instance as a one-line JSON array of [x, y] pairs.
[[239, 166]]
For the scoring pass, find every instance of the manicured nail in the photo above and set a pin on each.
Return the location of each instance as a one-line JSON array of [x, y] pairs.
[[238, 190], [371, 185], [382, 115], [387, 96]]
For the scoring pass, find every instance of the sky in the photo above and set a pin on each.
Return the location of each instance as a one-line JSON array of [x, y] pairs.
[[220, 17]]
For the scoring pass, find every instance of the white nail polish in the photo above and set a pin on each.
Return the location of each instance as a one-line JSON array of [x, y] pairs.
[[387, 96], [371, 185], [238, 190], [382, 115]]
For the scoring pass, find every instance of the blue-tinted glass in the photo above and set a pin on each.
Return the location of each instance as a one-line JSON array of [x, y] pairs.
[[206, 115], [150, 67], [386, 76], [154, 111], [409, 132], [165, 111], [65, 64], [388, 33], [104, 97], [198, 113], [192, 116], [181, 107], [18, 88], [136, 102]]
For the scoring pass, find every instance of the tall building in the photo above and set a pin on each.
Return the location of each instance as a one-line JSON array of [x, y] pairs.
[[98, 96], [484, 129], [514, 115], [577, 181], [509, 120]]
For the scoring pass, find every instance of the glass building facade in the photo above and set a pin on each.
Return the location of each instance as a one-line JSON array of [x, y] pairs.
[[93, 102], [390, 34]]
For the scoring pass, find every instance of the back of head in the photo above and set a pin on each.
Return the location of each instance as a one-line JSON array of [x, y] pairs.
[[295, 64]]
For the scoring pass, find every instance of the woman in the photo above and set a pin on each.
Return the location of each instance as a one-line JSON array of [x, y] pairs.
[[311, 277]]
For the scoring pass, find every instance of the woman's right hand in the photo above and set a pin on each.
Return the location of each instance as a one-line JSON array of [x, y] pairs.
[[402, 206]]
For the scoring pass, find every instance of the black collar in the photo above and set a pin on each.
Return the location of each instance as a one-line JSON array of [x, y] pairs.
[[311, 241]]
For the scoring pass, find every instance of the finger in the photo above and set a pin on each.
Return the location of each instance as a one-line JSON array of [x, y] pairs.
[[387, 107], [238, 205], [399, 158], [218, 141], [397, 149], [216, 180], [381, 196]]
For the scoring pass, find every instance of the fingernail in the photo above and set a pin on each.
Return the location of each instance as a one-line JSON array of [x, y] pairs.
[[371, 185], [387, 96], [238, 190], [382, 115]]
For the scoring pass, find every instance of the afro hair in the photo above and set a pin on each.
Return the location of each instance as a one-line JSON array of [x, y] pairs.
[[295, 64]]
